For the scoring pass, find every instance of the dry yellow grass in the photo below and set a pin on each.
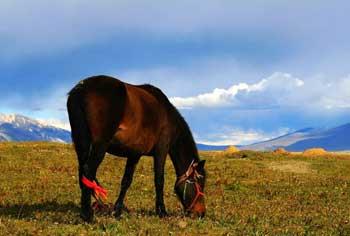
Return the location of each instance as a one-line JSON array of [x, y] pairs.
[[262, 194], [314, 152], [280, 151], [231, 149]]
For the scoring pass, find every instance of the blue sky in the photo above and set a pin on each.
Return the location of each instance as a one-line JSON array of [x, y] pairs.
[[239, 71]]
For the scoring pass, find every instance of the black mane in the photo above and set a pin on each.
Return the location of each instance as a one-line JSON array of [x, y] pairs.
[[173, 111], [184, 138]]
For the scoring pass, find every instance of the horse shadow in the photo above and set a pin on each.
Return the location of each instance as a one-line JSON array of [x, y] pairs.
[[49, 210], [62, 213]]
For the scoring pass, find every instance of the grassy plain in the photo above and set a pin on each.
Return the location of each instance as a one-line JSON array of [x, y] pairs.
[[248, 193]]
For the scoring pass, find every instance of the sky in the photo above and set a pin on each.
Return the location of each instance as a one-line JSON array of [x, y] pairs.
[[239, 71]]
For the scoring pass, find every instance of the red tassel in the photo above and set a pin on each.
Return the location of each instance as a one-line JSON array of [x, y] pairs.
[[99, 192]]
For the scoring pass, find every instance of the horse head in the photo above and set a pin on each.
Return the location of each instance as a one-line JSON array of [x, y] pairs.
[[189, 188]]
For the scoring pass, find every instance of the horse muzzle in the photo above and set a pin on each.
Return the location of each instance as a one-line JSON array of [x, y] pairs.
[[198, 209]]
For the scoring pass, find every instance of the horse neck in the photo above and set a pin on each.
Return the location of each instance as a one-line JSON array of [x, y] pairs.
[[182, 153]]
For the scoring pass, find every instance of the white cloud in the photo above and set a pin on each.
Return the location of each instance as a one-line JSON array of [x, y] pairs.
[[218, 97], [336, 94], [280, 90], [268, 92]]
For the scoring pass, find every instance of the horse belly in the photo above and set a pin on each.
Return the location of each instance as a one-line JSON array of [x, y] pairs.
[[134, 140]]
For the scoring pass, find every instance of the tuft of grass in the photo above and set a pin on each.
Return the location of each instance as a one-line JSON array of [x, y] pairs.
[[247, 193], [315, 152]]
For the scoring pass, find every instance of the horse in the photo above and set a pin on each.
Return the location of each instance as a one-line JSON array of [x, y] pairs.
[[107, 115]]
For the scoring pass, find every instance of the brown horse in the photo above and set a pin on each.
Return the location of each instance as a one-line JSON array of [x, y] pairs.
[[108, 115]]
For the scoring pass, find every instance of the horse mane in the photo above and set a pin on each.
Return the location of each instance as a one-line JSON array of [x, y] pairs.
[[184, 133]]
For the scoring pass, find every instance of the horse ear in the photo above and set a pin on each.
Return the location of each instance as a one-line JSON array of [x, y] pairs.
[[201, 164]]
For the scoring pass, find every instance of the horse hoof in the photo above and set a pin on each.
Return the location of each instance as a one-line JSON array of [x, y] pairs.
[[117, 213], [87, 217], [162, 213], [118, 210]]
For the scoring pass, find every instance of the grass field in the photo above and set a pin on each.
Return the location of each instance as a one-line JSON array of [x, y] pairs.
[[248, 193]]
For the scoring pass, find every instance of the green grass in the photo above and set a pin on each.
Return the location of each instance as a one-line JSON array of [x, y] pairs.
[[248, 193]]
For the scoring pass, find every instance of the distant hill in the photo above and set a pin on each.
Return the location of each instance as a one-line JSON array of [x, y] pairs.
[[204, 147], [20, 128], [282, 141], [334, 139]]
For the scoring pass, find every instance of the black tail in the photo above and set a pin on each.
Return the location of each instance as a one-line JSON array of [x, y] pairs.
[[79, 127]]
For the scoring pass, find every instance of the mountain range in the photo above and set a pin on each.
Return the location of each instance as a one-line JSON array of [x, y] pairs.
[[331, 139], [21, 128]]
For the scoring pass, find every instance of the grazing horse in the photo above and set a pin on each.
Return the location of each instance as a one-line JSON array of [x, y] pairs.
[[108, 115]]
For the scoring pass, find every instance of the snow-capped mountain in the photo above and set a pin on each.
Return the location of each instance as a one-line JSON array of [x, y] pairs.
[[16, 127]]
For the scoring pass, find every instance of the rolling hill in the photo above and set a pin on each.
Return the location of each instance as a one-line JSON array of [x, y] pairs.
[[205, 147]]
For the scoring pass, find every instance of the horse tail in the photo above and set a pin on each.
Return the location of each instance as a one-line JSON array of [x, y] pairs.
[[80, 131]]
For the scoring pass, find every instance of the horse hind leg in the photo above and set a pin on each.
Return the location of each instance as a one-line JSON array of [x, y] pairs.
[[88, 169], [83, 147], [125, 184]]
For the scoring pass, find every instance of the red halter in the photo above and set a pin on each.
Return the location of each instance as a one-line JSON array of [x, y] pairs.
[[191, 171], [198, 194]]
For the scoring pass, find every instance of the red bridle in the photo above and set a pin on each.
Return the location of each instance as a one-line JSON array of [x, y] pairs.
[[191, 171], [198, 194]]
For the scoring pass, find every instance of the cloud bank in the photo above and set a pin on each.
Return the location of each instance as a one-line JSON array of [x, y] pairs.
[[42, 26], [242, 93], [280, 90]]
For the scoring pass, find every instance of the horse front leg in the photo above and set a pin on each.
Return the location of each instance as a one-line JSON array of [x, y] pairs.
[[126, 182], [159, 163]]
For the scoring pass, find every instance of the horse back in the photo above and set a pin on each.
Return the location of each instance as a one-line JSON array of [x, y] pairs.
[[127, 118]]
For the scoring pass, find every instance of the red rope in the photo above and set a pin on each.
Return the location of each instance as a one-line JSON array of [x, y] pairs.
[[198, 194], [99, 192]]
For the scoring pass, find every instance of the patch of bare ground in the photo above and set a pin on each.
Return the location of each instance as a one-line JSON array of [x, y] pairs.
[[299, 167]]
